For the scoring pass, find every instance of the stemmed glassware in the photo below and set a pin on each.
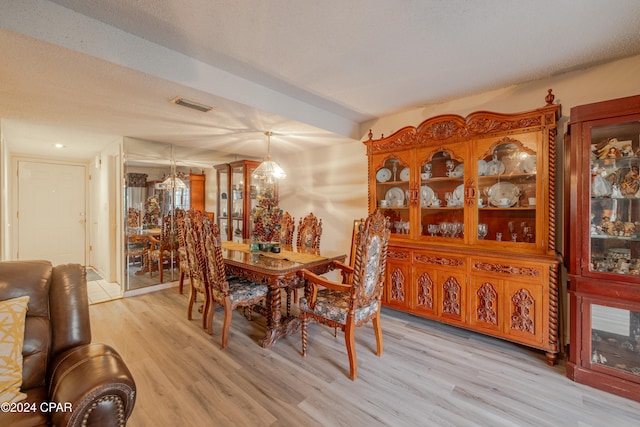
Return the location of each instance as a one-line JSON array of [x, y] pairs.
[[433, 229], [394, 168], [527, 231], [512, 230], [459, 229], [445, 229], [482, 231]]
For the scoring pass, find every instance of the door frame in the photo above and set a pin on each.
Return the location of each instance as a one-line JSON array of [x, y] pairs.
[[14, 220]]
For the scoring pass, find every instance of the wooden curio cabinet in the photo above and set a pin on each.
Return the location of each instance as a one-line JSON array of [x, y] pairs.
[[602, 253], [237, 195], [471, 201]]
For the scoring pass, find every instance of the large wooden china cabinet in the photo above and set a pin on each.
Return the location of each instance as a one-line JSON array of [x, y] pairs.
[[473, 222], [238, 193], [603, 245]]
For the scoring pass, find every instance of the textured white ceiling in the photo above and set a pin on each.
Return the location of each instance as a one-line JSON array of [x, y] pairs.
[[310, 71]]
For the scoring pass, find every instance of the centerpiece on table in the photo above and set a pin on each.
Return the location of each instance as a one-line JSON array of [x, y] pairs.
[[266, 217]]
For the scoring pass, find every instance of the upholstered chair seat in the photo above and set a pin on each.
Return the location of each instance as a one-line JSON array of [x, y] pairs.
[[334, 305], [241, 290]]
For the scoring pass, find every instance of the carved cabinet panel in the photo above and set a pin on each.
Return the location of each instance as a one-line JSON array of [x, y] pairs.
[[524, 308], [438, 281], [486, 306], [452, 296], [396, 291]]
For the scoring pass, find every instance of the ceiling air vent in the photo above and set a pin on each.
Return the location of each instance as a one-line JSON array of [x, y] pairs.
[[191, 104]]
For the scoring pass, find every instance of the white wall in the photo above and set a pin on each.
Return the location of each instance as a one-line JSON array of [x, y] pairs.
[[102, 218], [331, 183]]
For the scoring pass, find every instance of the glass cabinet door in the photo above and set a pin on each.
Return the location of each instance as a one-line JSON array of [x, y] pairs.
[[442, 194], [507, 193], [615, 339], [237, 202], [393, 194], [223, 201], [614, 205]]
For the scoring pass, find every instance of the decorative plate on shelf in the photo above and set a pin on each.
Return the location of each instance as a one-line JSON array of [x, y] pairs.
[[494, 167], [528, 164], [426, 196], [404, 174], [383, 175], [458, 195], [458, 171], [395, 196], [503, 190], [482, 167]]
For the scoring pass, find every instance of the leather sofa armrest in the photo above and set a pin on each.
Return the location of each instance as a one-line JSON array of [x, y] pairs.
[[90, 385]]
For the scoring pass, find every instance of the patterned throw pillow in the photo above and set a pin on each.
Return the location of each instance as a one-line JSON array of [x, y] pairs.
[[12, 320]]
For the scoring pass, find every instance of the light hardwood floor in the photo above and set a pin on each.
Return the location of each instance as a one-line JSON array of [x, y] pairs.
[[429, 375]]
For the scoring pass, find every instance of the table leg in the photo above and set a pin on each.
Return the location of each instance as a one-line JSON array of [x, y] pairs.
[[277, 325]]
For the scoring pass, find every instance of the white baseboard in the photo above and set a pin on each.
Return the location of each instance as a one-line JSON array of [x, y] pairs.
[[147, 289]]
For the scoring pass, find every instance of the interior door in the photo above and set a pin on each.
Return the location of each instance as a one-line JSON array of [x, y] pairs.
[[51, 212]]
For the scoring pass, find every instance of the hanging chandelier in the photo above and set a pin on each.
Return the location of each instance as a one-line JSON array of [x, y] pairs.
[[269, 170], [172, 182]]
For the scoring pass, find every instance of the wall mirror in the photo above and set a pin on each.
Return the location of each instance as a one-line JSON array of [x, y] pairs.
[[158, 179]]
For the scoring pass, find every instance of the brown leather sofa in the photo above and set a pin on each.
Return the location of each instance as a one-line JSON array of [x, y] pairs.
[[68, 380]]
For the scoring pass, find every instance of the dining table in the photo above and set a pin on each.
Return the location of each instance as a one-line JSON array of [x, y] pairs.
[[144, 237], [279, 271]]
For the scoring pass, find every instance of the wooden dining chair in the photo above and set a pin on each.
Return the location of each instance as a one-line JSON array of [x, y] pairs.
[[287, 228], [349, 305], [134, 218], [198, 284], [183, 262], [309, 232], [229, 292], [164, 249]]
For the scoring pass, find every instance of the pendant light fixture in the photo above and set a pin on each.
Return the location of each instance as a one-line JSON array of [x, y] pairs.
[[269, 170], [172, 182]]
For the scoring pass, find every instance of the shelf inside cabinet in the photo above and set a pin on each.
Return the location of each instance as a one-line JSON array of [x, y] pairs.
[[515, 208], [606, 237]]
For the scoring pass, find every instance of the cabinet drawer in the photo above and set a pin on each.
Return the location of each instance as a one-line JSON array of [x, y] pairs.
[[509, 269], [439, 260]]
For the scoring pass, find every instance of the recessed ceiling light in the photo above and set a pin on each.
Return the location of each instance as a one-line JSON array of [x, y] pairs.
[[59, 145], [191, 104]]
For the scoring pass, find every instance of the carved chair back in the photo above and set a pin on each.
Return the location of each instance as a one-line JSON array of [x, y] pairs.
[[169, 240], [232, 292], [370, 260], [309, 232], [134, 218], [212, 248], [287, 227], [195, 255]]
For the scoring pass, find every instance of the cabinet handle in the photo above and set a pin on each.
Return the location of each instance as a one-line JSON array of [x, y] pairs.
[[470, 192], [415, 194]]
